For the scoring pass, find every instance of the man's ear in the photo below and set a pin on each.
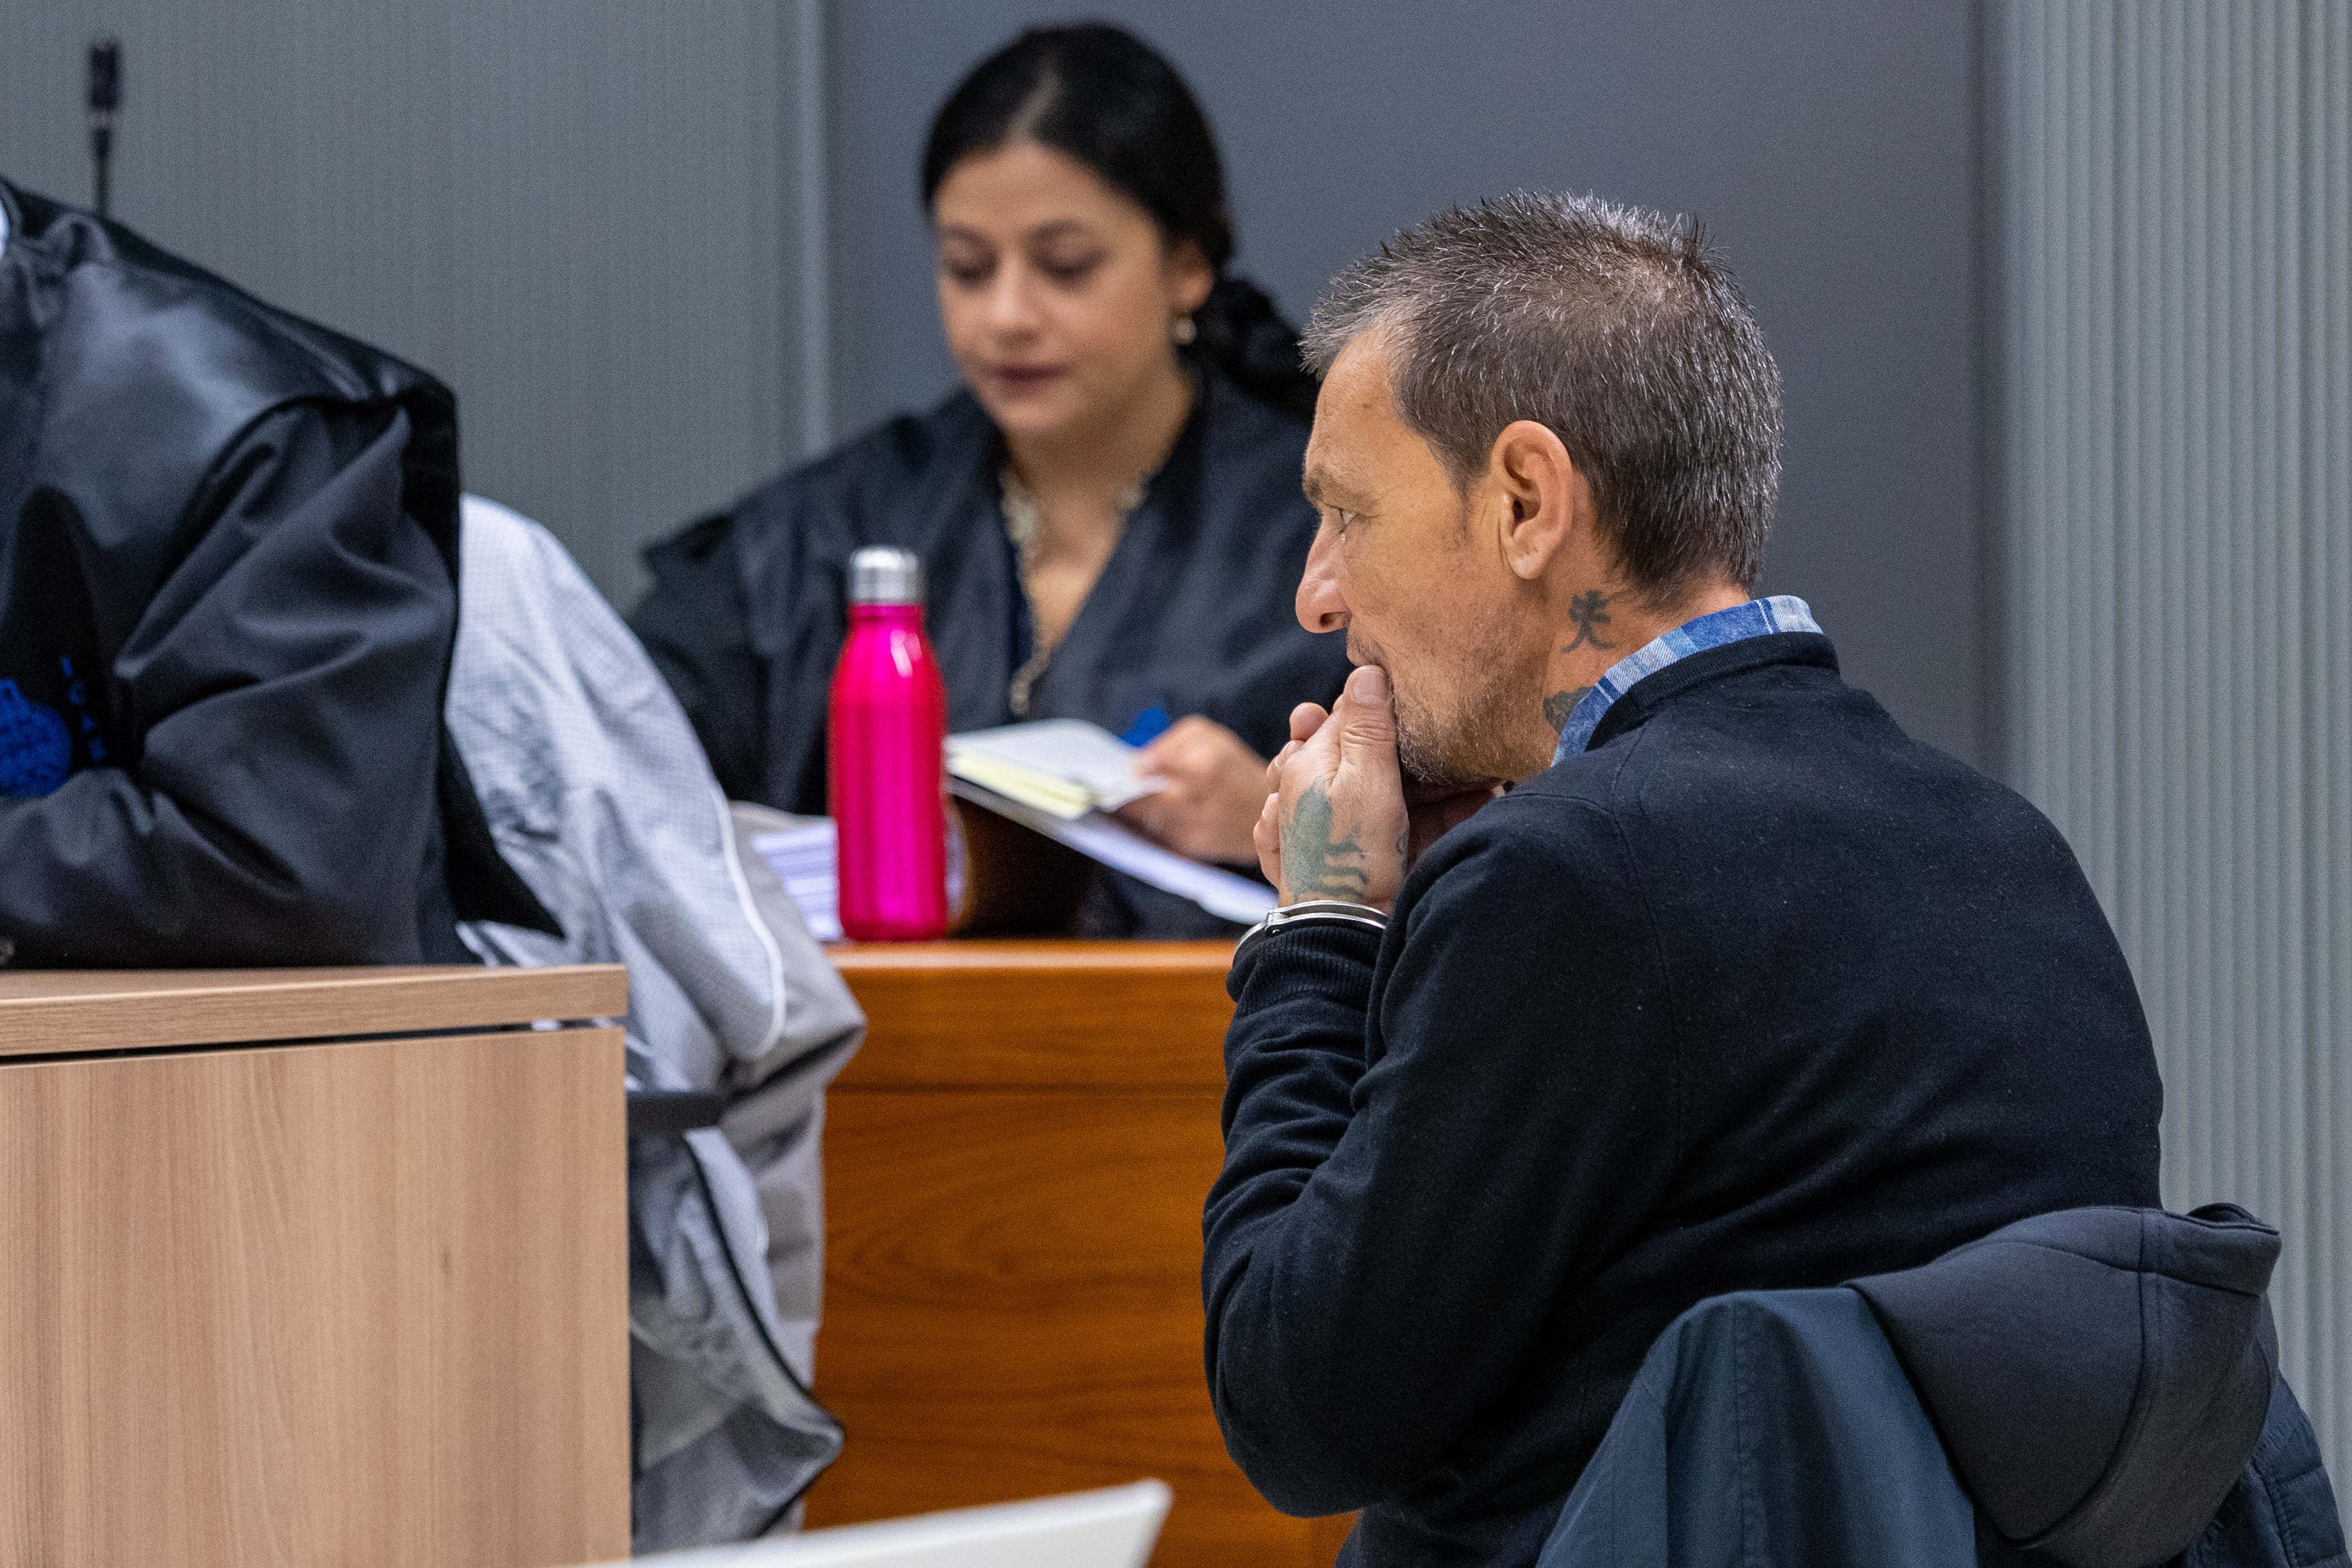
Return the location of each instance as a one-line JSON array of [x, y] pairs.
[[1540, 499]]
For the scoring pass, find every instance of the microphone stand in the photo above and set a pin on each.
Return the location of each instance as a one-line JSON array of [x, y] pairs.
[[105, 98]]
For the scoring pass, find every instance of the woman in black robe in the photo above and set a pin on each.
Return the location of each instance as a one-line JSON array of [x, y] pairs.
[[1107, 513]]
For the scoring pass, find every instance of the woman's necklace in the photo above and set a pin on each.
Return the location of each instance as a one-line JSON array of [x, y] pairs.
[[1023, 522]]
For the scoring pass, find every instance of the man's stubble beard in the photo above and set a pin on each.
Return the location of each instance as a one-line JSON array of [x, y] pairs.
[[1468, 743]]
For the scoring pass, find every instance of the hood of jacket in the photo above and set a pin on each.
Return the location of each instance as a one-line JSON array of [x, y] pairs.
[[2099, 1376], [117, 334]]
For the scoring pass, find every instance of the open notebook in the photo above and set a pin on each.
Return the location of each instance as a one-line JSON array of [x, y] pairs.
[[1063, 767]]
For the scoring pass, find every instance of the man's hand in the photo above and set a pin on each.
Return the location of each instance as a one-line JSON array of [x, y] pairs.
[[1334, 824], [1214, 786]]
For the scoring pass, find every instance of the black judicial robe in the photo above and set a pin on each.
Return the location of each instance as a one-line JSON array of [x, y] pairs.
[[1192, 613], [227, 600]]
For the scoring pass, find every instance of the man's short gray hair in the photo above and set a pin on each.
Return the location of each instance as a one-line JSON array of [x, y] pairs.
[[1619, 329]]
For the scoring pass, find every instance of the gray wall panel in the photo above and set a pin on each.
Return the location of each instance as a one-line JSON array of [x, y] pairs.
[[2174, 215], [585, 215], [1829, 144]]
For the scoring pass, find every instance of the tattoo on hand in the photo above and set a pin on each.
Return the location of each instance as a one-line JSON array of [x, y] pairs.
[[1317, 862], [1561, 706], [1590, 611]]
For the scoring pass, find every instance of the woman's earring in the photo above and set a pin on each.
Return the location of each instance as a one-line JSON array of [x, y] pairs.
[[1183, 330]]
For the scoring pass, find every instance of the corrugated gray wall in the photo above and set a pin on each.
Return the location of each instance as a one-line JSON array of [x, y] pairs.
[[2174, 237], [586, 215]]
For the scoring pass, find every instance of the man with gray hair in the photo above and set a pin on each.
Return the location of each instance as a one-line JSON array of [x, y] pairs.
[[1737, 987]]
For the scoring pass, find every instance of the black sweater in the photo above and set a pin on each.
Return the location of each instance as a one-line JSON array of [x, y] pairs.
[[1755, 993]]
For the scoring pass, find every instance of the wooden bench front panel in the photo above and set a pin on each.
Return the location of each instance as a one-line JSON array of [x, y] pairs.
[[1015, 1169]]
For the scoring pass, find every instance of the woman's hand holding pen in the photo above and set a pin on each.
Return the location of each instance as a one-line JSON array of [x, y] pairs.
[[1214, 786]]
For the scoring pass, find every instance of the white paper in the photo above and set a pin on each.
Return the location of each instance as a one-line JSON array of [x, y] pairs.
[[1114, 844], [1069, 750], [801, 856]]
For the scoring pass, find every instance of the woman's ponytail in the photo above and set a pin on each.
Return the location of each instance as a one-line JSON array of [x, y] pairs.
[[1244, 337]]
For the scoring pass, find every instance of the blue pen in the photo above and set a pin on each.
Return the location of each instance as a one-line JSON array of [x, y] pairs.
[[1148, 726]]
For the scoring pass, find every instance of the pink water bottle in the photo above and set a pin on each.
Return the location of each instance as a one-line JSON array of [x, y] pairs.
[[888, 728]]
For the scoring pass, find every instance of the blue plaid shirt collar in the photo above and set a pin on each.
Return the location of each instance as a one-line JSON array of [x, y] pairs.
[[1756, 618]]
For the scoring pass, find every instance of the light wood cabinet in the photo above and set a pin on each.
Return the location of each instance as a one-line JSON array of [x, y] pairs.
[[312, 1268]]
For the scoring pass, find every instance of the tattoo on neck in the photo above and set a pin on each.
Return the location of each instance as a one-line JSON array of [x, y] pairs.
[[1590, 611], [1317, 862], [1560, 705]]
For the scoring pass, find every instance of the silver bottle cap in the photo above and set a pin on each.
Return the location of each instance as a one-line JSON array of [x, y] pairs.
[[881, 575]]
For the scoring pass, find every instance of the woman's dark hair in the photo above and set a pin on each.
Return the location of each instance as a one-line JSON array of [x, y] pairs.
[[1105, 97]]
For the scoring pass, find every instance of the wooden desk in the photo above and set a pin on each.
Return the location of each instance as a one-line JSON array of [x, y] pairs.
[[1015, 1169], [312, 1266]]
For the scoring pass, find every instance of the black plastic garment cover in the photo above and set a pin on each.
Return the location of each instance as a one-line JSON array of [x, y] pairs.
[[227, 595], [1192, 613]]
